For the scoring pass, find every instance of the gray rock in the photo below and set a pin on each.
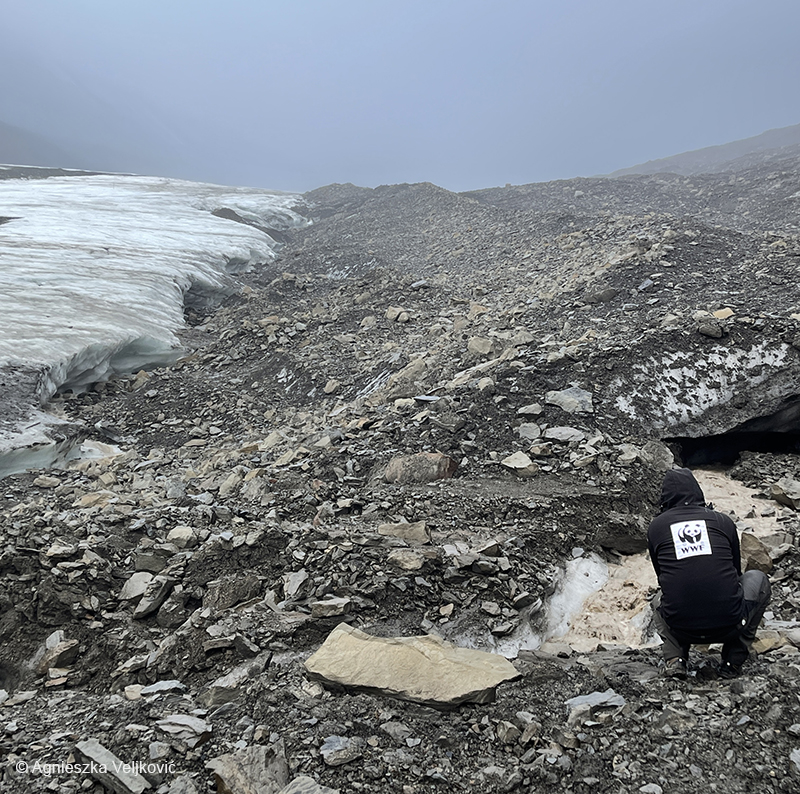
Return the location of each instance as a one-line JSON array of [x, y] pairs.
[[110, 771], [520, 464], [154, 596], [162, 686], [422, 467], [755, 554], [573, 400], [224, 593], [228, 687], [62, 654], [136, 586], [293, 582], [339, 750], [787, 492], [606, 699], [307, 785], [528, 431], [415, 532], [189, 729], [564, 434], [794, 757], [331, 607], [261, 769], [182, 784]]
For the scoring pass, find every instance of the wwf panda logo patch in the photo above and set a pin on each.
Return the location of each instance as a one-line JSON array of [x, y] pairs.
[[690, 539]]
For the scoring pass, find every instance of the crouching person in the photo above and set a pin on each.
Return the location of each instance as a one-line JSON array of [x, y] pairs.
[[704, 596]]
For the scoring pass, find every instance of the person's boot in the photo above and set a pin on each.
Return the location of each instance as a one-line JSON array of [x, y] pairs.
[[676, 668], [728, 670]]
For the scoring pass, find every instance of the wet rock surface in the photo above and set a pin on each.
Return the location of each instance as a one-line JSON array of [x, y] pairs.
[[406, 425]]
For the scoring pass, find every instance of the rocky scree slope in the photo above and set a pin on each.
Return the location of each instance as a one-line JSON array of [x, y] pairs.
[[545, 346]]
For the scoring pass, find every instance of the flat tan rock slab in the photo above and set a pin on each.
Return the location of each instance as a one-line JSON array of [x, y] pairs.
[[421, 669]]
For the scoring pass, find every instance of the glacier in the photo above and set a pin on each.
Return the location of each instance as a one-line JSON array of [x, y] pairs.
[[97, 271]]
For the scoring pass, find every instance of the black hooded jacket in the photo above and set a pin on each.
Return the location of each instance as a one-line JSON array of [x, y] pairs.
[[696, 556]]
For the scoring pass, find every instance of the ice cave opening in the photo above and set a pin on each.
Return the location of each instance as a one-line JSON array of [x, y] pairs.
[[777, 433]]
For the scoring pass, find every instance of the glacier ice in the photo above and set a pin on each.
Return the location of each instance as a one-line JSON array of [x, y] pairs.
[[97, 269]]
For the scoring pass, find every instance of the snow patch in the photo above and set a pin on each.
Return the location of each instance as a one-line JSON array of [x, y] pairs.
[[684, 385]]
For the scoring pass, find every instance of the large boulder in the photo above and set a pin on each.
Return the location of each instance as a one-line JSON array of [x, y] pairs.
[[421, 669], [787, 492], [755, 554], [422, 467]]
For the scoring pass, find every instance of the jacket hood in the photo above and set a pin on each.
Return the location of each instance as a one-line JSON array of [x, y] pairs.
[[681, 488]]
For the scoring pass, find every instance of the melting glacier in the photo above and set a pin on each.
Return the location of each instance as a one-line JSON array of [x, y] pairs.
[[96, 273]]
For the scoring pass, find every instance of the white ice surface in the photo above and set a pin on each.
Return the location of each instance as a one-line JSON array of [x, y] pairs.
[[95, 269], [582, 577]]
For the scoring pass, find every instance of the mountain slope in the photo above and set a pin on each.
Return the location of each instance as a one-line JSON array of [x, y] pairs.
[[19, 146], [733, 156]]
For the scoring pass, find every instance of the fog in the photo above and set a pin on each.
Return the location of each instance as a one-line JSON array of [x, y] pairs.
[[463, 93]]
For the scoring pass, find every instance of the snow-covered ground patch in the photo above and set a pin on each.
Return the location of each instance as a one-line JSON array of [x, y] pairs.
[[97, 270]]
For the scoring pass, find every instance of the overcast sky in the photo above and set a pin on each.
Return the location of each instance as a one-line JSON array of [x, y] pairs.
[[463, 93]]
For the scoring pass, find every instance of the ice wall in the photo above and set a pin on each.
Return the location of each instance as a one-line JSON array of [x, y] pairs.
[[96, 270]]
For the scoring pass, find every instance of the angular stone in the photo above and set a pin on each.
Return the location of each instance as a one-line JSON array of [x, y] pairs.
[[572, 400], [528, 431], [755, 555], [293, 581], [227, 688], [155, 595], [58, 654], [172, 613], [520, 464], [507, 732], [224, 593], [767, 640], [136, 586], [182, 785], [307, 785], [339, 750], [422, 467], [564, 434], [710, 328], [787, 492], [110, 771], [415, 532], [330, 607], [482, 346], [183, 537], [607, 699], [261, 769], [162, 686], [421, 669], [407, 559], [189, 729]]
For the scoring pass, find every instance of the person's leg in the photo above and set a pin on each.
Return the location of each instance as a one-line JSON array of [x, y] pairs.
[[757, 593], [672, 647]]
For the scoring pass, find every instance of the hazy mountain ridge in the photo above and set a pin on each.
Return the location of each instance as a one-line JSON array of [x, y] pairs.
[[20, 146], [734, 156]]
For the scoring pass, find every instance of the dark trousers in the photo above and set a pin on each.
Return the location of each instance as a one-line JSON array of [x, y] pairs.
[[735, 641]]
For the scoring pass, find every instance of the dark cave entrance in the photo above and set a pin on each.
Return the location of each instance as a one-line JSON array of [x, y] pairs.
[[776, 433]]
